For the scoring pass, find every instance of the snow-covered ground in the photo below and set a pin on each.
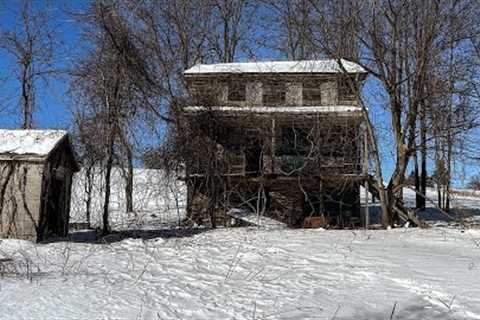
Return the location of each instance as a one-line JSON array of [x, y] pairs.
[[465, 206], [158, 201], [151, 269], [244, 273]]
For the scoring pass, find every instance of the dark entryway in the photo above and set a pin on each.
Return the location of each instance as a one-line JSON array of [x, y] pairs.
[[253, 156], [55, 208]]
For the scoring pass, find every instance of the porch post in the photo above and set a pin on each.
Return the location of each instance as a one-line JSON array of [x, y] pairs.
[[365, 172], [273, 147]]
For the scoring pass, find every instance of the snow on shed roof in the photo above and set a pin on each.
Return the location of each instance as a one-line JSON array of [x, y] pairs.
[[37, 143], [338, 110], [306, 66]]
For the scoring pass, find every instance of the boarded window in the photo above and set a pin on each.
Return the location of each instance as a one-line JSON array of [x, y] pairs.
[[312, 93], [274, 93], [236, 91]]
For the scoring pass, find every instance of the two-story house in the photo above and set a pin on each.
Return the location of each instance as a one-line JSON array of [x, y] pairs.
[[292, 137]]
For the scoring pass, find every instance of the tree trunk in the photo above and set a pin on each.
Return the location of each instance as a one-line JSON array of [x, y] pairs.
[[449, 171], [423, 158], [418, 200], [108, 173], [129, 181], [89, 177]]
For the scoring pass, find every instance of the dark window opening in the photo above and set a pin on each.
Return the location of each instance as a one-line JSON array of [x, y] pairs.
[[253, 156], [274, 93], [311, 93], [202, 93], [236, 91], [346, 89], [333, 143], [295, 141]]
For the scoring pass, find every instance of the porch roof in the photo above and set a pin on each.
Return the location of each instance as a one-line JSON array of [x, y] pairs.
[[337, 110]]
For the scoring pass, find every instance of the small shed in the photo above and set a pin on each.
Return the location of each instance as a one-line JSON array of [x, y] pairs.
[[36, 169]]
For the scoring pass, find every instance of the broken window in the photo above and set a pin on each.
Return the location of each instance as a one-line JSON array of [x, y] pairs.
[[295, 141], [311, 93], [202, 92], [236, 91], [274, 93], [346, 89]]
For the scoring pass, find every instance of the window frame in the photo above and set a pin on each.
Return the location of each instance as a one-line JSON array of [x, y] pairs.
[[200, 91], [276, 90], [241, 92], [314, 86]]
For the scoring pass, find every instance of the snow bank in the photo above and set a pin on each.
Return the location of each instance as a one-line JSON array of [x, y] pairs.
[[251, 274]]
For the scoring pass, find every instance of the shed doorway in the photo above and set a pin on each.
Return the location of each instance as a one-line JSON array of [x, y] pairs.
[[56, 204]]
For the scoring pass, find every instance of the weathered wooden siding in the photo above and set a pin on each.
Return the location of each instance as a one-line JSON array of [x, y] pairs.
[[20, 199], [58, 169], [35, 195]]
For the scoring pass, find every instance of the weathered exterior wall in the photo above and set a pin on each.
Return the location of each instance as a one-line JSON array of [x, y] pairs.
[[254, 89], [329, 93], [253, 93], [35, 195], [294, 94], [20, 199]]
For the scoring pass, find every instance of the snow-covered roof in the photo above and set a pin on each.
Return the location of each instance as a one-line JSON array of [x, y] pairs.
[[338, 110], [306, 66], [35, 143]]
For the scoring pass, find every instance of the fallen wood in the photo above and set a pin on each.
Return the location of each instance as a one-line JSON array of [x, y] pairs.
[[253, 219]]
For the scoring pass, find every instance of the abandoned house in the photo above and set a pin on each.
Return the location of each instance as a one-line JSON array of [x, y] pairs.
[[279, 139], [36, 169]]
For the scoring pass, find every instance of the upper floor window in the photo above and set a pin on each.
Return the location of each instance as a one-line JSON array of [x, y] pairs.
[[312, 93], [236, 91], [274, 93], [201, 92], [346, 89]]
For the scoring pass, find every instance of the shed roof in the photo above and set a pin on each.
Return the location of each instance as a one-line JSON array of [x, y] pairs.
[[305, 66], [33, 143]]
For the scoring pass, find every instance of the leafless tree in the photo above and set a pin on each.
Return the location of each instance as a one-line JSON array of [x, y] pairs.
[[232, 28], [32, 44], [108, 80], [398, 42]]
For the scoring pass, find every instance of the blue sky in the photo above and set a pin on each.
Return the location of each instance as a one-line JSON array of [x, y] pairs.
[[54, 105]]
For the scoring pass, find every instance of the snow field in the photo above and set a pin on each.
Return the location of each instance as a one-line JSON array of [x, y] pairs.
[[247, 273]]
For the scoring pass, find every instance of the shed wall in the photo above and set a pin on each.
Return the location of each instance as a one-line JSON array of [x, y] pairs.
[[20, 199]]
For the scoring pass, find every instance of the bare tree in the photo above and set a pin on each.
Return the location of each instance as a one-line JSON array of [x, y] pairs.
[[31, 43], [108, 82], [398, 43], [232, 28]]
